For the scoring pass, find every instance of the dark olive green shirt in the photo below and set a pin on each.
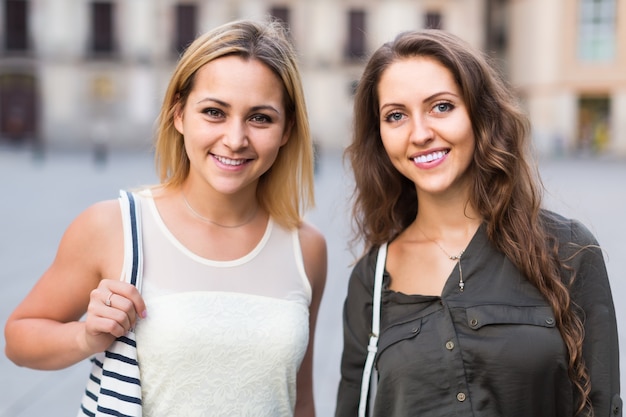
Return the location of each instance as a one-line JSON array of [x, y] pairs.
[[491, 350]]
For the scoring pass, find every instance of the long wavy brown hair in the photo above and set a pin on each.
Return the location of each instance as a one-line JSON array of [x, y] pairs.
[[507, 191]]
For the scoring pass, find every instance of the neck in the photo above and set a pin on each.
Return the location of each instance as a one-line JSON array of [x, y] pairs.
[[220, 212], [438, 218]]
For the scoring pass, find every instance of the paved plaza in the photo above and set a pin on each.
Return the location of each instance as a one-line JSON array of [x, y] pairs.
[[41, 195]]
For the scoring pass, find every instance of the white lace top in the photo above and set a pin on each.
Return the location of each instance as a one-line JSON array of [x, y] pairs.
[[221, 338]]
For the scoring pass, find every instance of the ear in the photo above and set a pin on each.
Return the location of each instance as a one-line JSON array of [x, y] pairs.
[[287, 132], [178, 117]]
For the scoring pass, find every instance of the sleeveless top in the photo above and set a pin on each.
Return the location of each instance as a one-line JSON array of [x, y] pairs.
[[222, 338]]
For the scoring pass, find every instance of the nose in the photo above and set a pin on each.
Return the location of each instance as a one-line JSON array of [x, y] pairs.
[[235, 135], [421, 131]]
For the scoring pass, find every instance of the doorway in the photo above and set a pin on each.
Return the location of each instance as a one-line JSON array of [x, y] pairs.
[[18, 108], [593, 123]]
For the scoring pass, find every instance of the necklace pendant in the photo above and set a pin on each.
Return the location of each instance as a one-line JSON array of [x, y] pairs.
[[461, 286], [456, 257]]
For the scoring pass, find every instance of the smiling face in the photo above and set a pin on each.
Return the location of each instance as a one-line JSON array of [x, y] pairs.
[[233, 123], [425, 126]]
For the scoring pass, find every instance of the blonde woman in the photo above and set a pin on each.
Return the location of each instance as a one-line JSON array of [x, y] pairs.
[[233, 276]]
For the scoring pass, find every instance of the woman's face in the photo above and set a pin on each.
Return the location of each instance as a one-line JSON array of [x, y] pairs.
[[233, 123], [425, 126]]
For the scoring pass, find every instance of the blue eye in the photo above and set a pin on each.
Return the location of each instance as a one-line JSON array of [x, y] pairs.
[[394, 117], [443, 107]]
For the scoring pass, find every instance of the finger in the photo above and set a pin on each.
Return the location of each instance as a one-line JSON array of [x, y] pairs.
[[106, 296], [108, 301], [102, 331], [123, 304], [127, 291], [117, 318]]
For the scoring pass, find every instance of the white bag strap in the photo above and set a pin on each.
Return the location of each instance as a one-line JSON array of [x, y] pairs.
[[133, 254], [372, 347]]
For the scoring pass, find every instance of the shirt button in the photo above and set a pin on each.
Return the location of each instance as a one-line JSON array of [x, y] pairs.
[[449, 345], [550, 321], [473, 322], [460, 396]]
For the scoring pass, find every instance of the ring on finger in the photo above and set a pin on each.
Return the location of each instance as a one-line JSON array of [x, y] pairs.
[[107, 302]]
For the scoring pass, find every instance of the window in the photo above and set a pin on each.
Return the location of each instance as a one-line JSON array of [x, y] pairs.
[[596, 32], [496, 27], [356, 35], [102, 42], [433, 20], [185, 26], [280, 13], [16, 24]]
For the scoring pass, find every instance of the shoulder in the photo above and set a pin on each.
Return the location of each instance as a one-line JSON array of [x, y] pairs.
[[311, 234], [103, 218], [567, 230], [578, 247], [98, 217], [362, 276], [93, 242], [314, 253], [97, 226]]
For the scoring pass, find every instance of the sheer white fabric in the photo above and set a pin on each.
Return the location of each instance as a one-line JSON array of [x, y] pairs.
[[221, 338]]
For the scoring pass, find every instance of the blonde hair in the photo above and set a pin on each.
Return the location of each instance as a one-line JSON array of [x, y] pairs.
[[286, 189]]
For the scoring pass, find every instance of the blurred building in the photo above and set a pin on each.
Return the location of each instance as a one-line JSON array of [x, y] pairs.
[[568, 59], [85, 73]]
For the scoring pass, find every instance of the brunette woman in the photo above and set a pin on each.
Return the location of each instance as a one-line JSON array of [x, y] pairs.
[[491, 304]]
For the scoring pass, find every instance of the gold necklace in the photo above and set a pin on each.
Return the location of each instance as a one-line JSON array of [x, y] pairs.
[[227, 226], [456, 258]]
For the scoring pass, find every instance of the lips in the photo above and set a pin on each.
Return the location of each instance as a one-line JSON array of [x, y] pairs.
[[228, 161], [430, 157]]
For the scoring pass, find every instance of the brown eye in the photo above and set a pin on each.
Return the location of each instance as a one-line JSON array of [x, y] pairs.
[[213, 112], [261, 118]]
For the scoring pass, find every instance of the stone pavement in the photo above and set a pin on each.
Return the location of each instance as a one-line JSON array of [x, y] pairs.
[[39, 198]]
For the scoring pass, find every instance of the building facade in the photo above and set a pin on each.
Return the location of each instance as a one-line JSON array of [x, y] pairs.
[[85, 73], [568, 60]]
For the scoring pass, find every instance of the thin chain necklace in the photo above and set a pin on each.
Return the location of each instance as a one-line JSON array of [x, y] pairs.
[[227, 226], [456, 258]]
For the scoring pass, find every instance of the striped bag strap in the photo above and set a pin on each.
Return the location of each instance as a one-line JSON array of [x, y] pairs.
[[372, 347], [114, 387], [133, 253], [120, 388]]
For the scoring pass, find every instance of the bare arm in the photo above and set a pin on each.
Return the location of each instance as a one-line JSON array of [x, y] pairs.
[[44, 331], [315, 263]]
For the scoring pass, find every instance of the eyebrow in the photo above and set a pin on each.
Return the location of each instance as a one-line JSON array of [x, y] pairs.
[[224, 104], [426, 100]]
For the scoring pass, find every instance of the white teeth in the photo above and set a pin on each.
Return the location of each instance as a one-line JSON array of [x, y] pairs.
[[232, 162], [430, 157]]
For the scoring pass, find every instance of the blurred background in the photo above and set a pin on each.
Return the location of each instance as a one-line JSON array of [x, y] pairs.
[[90, 74], [81, 83]]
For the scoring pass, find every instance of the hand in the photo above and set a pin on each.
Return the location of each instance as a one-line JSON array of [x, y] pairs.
[[114, 308]]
